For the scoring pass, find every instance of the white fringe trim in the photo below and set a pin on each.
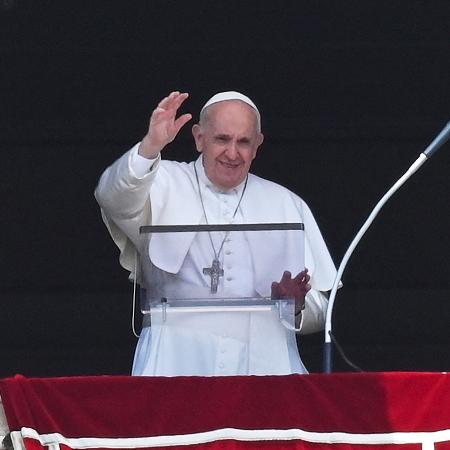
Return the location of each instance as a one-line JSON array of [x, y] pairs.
[[53, 440]]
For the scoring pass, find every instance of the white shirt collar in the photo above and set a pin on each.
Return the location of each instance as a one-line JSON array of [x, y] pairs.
[[203, 179]]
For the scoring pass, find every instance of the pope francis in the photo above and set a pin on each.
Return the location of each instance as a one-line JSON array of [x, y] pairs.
[[142, 188]]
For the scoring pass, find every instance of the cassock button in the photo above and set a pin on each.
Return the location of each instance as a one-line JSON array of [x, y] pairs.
[[221, 365], [228, 252], [229, 278]]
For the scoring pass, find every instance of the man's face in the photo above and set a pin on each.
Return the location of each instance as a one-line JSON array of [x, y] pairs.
[[228, 139]]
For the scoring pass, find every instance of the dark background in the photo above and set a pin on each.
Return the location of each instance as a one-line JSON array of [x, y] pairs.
[[350, 93]]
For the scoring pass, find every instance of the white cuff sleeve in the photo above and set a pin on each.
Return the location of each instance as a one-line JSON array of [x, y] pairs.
[[313, 316], [139, 165]]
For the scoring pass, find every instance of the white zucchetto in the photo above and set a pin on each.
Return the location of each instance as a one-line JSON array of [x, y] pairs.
[[229, 95]]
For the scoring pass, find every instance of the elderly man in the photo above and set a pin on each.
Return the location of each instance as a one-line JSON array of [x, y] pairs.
[[141, 189]]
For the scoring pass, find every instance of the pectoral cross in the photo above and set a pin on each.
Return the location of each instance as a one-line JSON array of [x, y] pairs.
[[215, 271]]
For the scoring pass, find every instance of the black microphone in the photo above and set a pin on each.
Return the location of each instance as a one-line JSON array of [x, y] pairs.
[[438, 142]]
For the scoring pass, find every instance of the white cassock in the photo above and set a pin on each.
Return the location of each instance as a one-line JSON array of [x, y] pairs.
[[233, 343]]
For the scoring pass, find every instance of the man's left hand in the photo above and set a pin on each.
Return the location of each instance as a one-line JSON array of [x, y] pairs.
[[289, 287]]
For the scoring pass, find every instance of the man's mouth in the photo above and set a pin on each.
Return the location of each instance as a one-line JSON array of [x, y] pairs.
[[229, 165]]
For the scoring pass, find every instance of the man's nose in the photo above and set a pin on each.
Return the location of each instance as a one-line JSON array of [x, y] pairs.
[[232, 150]]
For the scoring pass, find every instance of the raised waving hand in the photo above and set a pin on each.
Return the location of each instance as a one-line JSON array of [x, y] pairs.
[[164, 124]]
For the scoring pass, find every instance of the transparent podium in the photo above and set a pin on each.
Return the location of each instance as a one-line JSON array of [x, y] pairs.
[[213, 284]]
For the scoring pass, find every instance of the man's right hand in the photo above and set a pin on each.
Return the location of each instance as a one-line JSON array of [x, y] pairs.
[[164, 125]]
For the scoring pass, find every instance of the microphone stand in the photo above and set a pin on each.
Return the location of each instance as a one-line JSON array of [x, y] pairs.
[[424, 156]]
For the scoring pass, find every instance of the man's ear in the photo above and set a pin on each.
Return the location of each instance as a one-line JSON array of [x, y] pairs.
[[198, 137], [260, 139]]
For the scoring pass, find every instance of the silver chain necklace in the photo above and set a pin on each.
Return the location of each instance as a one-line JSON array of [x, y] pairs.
[[216, 271]]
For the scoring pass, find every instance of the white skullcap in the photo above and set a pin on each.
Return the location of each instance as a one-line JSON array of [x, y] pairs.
[[229, 95]]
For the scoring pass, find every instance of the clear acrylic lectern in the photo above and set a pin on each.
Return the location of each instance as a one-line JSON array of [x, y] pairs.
[[221, 270]]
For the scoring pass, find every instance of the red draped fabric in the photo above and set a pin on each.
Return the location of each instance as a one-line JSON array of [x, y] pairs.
[[369, 411]]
